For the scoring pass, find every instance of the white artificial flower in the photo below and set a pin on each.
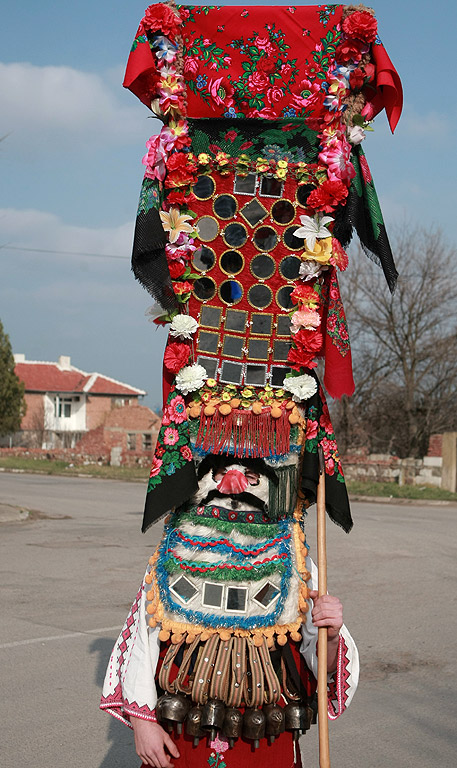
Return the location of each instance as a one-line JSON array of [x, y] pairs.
[[301, 387], [153, 312], [312, 228], [183, 326], [310, 269], [356, 134], [190, 378]]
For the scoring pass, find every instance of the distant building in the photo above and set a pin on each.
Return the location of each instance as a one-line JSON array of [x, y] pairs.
[[65, 403]]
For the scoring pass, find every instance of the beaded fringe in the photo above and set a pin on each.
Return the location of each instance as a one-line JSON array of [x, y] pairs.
[[245, 434]]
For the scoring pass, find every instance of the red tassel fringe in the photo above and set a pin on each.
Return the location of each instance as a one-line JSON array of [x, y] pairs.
[[245, 434]]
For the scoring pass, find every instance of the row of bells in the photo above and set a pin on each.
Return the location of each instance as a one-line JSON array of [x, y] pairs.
[[175, 709]]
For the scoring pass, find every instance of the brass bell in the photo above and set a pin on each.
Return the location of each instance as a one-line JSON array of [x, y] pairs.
[[275, 721], [213, 716], [171, 709], [193, 723], [298, 718], [233, 724], [254, 725]]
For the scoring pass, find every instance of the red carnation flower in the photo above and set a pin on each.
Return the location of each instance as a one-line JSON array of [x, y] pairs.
[[176, 356], [349, 50], [304, 294], [176, 269], [308, 341], [361, 25], [326, 197], [298, 359], [160, 18], [356, 78], [180, 288], [178, 197]]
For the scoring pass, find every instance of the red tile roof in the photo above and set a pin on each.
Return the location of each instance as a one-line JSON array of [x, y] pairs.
[[50, 377]]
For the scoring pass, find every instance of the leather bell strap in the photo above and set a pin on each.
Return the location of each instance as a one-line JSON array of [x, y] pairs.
[[254, 689], [165, 669], [238, 672], [221, 672], [180, 682], [204, 669], [272, 684]]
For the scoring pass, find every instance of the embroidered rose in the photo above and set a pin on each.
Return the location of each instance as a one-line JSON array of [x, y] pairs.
[[190, 378], [186, 453], [183, 326], [175, 357], [301, 387], [257, 81]]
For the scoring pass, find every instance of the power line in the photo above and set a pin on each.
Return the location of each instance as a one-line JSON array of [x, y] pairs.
[[63, 253]]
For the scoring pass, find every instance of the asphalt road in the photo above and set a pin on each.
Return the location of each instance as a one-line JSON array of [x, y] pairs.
[[69, 575]]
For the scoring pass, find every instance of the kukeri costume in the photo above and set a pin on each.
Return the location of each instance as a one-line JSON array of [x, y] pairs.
[[252, 189]]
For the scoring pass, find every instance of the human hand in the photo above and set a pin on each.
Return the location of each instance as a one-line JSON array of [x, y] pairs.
[[327, 612], [153, 744]]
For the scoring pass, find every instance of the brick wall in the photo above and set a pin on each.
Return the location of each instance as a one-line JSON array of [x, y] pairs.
[[34, 417], [96, 409]]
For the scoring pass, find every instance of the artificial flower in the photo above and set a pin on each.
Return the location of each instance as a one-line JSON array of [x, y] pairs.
[[182, 288], [301, 387], [312, 228], [304, 318], [356, 134], [305, 294], [176, 269], [190, 378], [326, 197], [336, 156], [309, 269], [175, 222], [361, 25], [161, 17], [322, 251], [183, 326], [175, 356]]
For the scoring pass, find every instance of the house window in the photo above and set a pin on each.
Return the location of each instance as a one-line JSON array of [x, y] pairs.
[[147, 441], [131, 441], [62, 407]]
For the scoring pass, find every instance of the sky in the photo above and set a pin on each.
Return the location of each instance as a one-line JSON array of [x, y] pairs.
[[70, 169]]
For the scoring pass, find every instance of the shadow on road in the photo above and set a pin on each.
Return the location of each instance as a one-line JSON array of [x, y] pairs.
[[121, 750]]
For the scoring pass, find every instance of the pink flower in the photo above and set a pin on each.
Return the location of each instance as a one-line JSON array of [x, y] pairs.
[[159, 147], [336, 156], [171, 436], [219, 746], [257, 81], [221, 91], [304, 318], [186, 453], [176, 409], [190, 66], [274, 94], [331, 323], [155, 468], [311, 429], [263, 44]]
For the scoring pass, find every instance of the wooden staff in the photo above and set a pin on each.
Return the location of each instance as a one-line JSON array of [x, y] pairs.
[[322, 704]]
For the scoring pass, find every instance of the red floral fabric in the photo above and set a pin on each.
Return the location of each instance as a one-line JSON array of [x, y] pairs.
[[263, 61]]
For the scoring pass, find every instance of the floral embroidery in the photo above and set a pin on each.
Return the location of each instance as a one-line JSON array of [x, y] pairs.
[[172, 451], [336, 319], [319, 431]]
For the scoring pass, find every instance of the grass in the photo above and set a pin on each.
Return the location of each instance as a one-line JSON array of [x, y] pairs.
[[55, 467], [392, 490]]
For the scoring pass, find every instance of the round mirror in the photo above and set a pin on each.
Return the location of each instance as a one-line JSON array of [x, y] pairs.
[[204, 258], [208, 228], [204, 187], [283, 297], [283, 212], [265, 238], [235, 235], [289, 267], [303, 192], [292, 242], [231, 262], [262, 266], [225, 206], [260, 296], [204, 288], [231, 291]]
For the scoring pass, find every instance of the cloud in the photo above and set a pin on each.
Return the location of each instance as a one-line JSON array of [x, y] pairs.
[[425, 125], [61, 105], [32, 228]]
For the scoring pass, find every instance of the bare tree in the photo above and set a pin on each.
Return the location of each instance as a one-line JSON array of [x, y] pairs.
[[404, 347]]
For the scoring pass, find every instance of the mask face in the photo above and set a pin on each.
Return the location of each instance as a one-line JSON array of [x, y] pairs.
[[234, 486]]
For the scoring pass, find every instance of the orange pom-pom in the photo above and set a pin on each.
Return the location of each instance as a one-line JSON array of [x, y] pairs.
[[225, 409], [176, 638], [282, 639], [235, 402], [190, 639], [148, 578], [224, 634], [276, 412], [257, 640], [296, 636], [209, 410], [164, 635], [152, 623], [257, 408]]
